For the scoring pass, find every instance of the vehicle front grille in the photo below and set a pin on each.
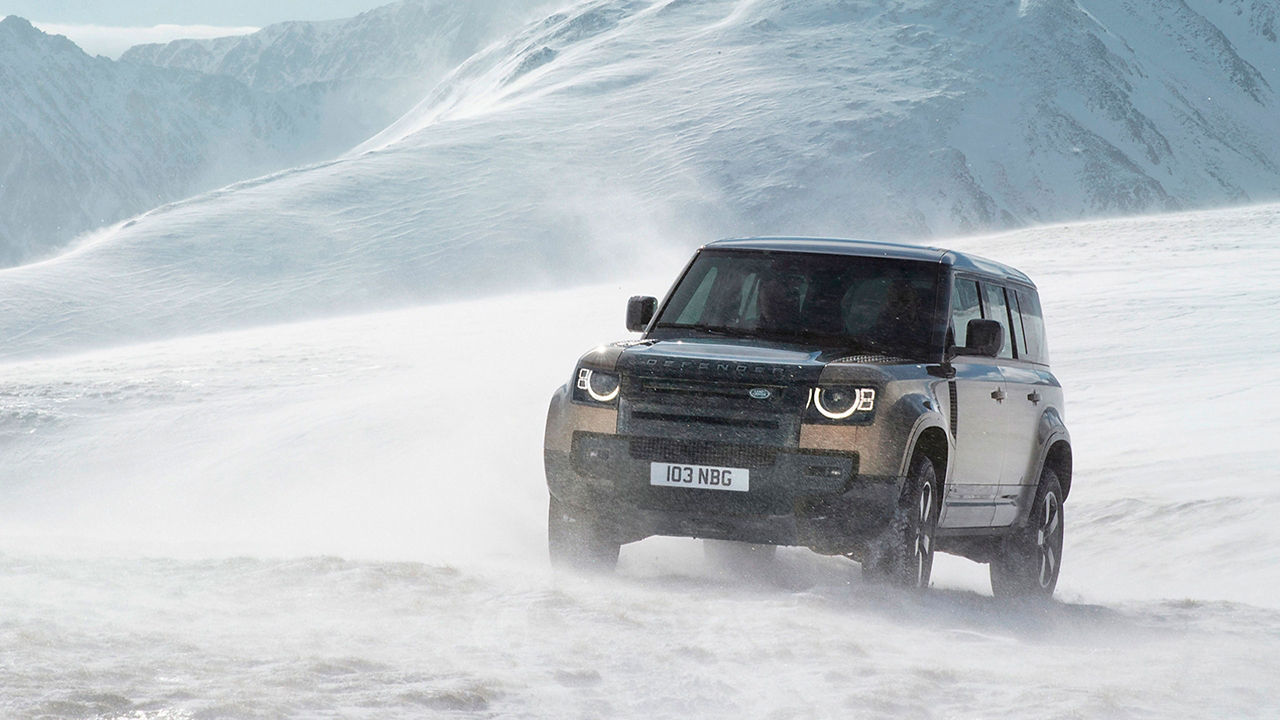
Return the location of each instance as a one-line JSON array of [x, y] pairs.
[[736, 421], [687, 410], [693, 452], [689, 393]]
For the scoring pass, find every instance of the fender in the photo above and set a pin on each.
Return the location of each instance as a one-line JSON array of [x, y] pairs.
[[565, 416], [926, 416], [1050, 430], [604, 357], [558, 428]]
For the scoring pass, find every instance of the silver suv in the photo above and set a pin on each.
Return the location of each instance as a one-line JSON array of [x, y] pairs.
[[867, 399]]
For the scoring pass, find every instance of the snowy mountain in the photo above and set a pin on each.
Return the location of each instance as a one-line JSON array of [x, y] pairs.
[[88, 142], [363, 72], [605, 133], [85, 141], [412, 42]]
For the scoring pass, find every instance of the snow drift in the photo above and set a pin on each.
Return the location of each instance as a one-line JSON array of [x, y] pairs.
[[345, 518]]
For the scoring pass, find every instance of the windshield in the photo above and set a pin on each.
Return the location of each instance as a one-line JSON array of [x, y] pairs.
[[863, 304]]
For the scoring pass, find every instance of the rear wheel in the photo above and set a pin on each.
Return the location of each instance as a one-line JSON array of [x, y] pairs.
[[1029, 560], [576, 539], [905, 558]]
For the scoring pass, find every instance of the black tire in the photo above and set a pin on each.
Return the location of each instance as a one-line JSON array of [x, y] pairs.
[[1028, 562], [576, 540], [905, 556]]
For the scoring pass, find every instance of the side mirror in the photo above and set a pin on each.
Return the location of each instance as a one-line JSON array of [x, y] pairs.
[[983, 337], [640, 310]]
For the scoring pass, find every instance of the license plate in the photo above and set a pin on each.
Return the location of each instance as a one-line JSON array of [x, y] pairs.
[[703, 477]]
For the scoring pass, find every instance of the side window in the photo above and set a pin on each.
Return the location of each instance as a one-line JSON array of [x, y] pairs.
[[964, 307], [1019, 337], [1033, 325], [997, 310]]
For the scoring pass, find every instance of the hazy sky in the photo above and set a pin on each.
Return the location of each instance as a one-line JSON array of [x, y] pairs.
[[111, 27], [182, 12]]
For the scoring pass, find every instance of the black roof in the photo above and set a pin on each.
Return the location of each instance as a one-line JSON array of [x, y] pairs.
[[874, 248]]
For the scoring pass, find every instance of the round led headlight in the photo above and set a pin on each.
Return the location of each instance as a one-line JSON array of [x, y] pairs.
[[838, 403], [601, 386]]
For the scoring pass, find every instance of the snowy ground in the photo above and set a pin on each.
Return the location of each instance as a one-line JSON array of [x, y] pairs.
[[345, 518]]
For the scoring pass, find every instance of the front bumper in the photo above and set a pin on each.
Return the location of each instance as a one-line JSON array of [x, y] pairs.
[[814, 498]]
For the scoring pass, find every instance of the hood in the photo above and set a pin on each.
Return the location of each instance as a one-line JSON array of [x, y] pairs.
[[723, 359]]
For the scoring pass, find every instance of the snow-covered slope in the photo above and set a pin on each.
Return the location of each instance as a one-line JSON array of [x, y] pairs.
[[599, 133], [346, 518], [85, 142], [363, 72]]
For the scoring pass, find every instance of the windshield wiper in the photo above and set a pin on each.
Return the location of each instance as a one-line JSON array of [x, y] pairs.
[[708, 329]]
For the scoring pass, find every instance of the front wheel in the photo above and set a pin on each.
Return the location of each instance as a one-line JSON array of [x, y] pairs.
[[577, 541], [905, 558], [1029, 560]]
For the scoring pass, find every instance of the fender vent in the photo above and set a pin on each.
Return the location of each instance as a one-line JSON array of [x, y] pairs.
[[870, 359], [955, 410]]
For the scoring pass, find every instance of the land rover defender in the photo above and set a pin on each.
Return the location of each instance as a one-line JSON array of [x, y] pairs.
[[868, 399]]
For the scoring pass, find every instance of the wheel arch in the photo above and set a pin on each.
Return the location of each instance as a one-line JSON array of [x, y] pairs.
[[914, 424], [1055, 442], [932, 443], [1058, 459]]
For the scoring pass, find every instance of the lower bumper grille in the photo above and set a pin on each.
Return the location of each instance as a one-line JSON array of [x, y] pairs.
[[694, 452]]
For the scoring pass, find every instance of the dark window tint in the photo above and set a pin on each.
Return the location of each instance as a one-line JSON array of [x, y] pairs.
[[871, 304], [964, 307], [1019, 337], [1033, 326], [997, 310]]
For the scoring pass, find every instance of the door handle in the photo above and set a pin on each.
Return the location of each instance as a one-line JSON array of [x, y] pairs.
[[997, 395], [1034, 397]]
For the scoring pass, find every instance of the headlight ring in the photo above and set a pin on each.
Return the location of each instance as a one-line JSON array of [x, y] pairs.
[[838, 403], [600, 386]]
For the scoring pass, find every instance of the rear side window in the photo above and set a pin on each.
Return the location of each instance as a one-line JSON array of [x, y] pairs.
[[964, 307], [1033, 326], [1019, 337], [998, 310]]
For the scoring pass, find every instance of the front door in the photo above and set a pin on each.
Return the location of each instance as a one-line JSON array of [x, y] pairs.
[[979, 432], [978, 425]]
